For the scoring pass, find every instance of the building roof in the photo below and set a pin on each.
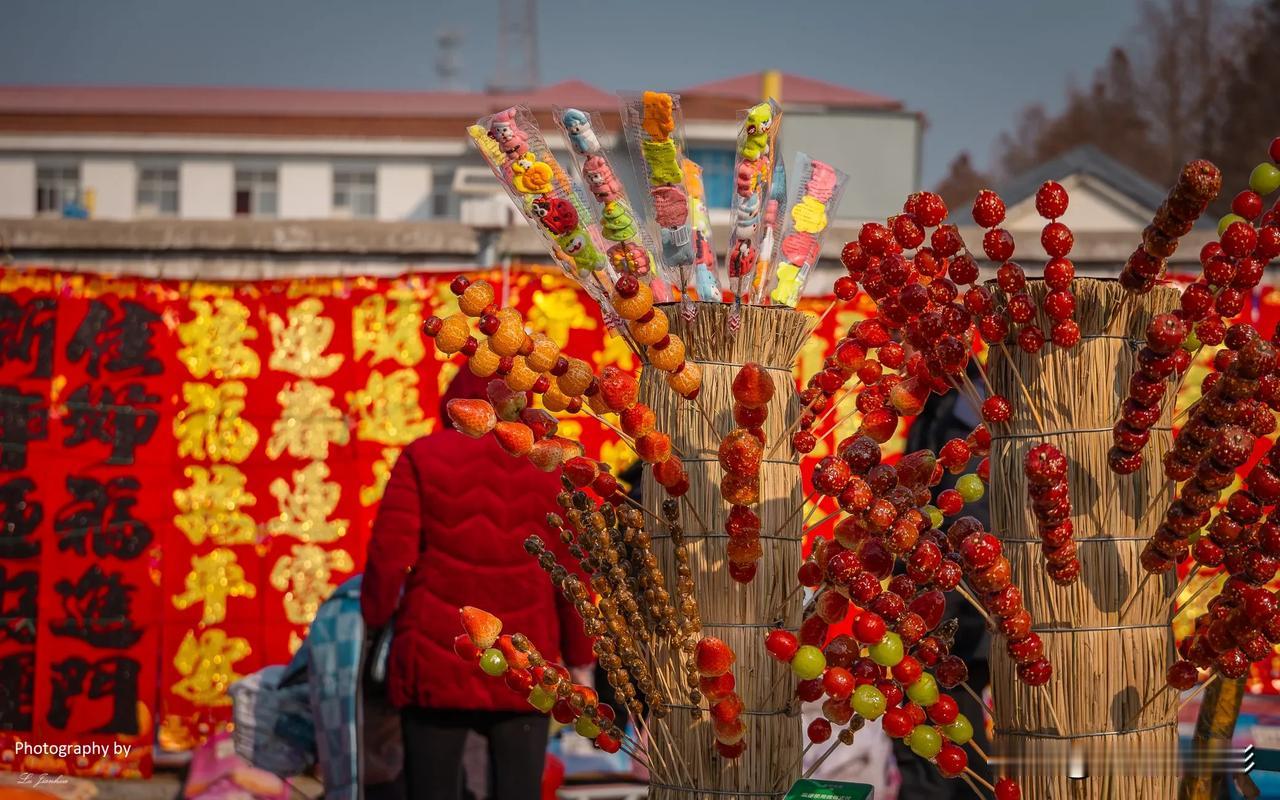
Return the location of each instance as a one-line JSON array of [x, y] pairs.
[[796, 89], [1085, 160], [237, 101]]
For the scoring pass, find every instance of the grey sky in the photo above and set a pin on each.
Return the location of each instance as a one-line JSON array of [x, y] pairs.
[[969, 66]]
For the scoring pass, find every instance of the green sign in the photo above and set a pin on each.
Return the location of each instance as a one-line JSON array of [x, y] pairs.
[[829, 790]]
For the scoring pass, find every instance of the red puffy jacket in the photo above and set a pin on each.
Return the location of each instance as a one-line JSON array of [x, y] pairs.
[[450, 532]]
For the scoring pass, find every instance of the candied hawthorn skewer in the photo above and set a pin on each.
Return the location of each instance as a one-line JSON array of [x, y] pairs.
[[547, 685], [1157, 363], [1207, 452], [1059, 304], [1046, 471], [1198, 185]]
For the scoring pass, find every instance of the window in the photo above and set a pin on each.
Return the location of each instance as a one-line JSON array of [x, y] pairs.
[[717, 174], [442, 194], [57, 189], [355, 193], [157, 191], [256, 192]]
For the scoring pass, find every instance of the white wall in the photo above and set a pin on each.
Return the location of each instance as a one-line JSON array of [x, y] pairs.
[[306, 190], [1094, 206], [17, 188], [114, 183], [880, 151], [205, 189], [404, 191]]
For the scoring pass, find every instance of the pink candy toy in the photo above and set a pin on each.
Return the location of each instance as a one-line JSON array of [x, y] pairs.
[[601, 180], [822, 182], [504, 131], [671, 206]]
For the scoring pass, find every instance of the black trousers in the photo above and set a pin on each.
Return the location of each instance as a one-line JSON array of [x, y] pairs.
[[434, 741]]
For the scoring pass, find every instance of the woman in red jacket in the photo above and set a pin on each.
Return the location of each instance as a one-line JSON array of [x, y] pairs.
[[450, 532]]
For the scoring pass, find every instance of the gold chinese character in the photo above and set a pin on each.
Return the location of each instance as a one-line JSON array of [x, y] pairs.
[[370, 495], [210, 508], [444, 303], [388, 333], [305, 507], [617, 455], [617, 352], [214, 342], [557, 312], [205, 665], [213, 578], [210, 427], [448, 371], [389, 410], [308, 423], [300, 343], [304, 577]]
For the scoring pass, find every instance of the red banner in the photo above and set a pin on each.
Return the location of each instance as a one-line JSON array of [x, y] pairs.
[[188, 470]]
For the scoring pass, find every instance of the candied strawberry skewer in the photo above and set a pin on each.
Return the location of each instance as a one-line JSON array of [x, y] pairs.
[[714, 659], [529, 363], [740, 454]]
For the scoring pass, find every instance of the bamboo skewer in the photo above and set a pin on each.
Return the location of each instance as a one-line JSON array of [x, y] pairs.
[[974, 744], [969, 771], [1053, 709], [977, 606], [694, 510], [976, 791], [1129, 723], [795, 765], [1182, 587], [1186, 605], [823, 315], [977, 698], [811, 528], [1022, 386], [779, 608], [796, 511], [824, 757], [1133, 598], [1196, 693]]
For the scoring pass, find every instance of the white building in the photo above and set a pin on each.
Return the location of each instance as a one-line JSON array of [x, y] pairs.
[[220, 153]]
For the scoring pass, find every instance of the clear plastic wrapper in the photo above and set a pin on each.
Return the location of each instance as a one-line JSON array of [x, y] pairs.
[[655, 135], [753, 175], [817, 196], [628, 246], [706, 280], [516, 151], [774, 212]]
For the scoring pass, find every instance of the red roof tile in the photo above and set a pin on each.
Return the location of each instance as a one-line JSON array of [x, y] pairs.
[[218, 100], [796, 89]]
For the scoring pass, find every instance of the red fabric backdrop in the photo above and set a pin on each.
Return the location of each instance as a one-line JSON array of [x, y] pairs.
[[189, 468]]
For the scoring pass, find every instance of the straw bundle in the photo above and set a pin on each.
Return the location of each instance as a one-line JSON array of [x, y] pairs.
[[1105, 668], [739, 614]]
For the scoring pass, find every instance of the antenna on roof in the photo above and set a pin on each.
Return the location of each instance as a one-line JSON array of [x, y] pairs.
[[448, 65], [516, 64]]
